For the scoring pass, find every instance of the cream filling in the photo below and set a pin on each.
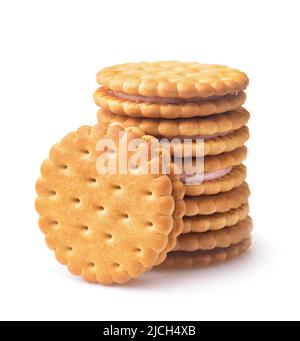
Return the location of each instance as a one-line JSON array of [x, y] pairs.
[[199, 178], [164, 100]]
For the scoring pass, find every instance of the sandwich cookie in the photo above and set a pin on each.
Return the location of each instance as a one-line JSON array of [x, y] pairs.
[[218, 203], [216, 221], [181, 259], [214, 163], [215, 239], [107, 228], [170, 89], [109, 101], [209, 183], [213, 146], [183, 128], [221, 173]]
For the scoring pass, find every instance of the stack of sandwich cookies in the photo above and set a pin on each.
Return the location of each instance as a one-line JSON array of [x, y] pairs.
[[191, 101], [113, 227]]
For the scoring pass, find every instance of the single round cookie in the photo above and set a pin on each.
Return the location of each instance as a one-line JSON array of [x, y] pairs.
[[215, 239], [106, 227], [181, 259], [200, 128], [108, 101], [216, 221], [173, 79]]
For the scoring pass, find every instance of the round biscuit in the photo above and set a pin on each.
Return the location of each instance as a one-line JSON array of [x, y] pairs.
[[173, 79], [107, 228], [108, 101]]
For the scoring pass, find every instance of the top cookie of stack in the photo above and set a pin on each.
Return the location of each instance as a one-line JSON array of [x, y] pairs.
[[170, 89]]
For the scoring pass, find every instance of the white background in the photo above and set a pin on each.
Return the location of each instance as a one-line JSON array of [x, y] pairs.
[[50, 52]]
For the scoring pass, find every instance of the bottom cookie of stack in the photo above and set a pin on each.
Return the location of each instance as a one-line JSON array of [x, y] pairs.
[[203, 258]]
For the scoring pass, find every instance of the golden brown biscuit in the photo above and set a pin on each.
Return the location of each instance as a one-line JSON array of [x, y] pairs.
[[221, 202], [215, 239], [106, 228], [224, 184], [213, 163], [106, 99], [181, 259], [216, 221], [182, 128], [173, 79], [215, 146]]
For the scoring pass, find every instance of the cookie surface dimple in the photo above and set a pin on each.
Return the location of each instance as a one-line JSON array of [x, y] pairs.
[[99, 225]]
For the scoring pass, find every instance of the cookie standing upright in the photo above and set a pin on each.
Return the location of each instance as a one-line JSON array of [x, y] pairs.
[[106, 227]]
